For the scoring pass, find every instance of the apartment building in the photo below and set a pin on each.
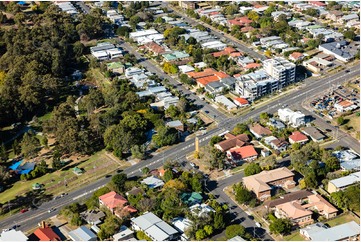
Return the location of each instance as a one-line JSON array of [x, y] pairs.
[[281, 69]]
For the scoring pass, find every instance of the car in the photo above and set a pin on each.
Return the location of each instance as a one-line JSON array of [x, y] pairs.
[[328, 121], [24, 210], [206, 111], [328, 130], [107, 176], [192, 164], [258, 225], [347, 71], [63, 194], [51, 210]]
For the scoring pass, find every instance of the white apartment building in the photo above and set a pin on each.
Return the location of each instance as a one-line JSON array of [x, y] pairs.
[[281, 69], [296, 119]]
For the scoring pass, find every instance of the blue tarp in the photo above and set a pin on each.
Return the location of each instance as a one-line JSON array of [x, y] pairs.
[[21, 3], [16, 165]]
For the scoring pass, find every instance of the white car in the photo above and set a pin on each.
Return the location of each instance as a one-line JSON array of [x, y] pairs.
[[258, 225]]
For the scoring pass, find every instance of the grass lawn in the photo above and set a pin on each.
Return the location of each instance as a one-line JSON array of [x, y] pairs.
[[96, 76], [353, 122], [342, 219], [295, 236], [95, 167], [45, 117]]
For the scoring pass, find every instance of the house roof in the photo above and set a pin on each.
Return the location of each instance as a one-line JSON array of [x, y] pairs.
[[293, 210], [153, 182], [252, 65], [321, 204], [154, 226], [247, 29], [313, 133], [204, 73], [205, 80], [113, 200], [240, 21], [92, 216], [244, 152], [296, 55], [115, 65], [258, 182], [46, 234], [287, 198], [241, 100], [346, 180], [82, 234], [13, 235], [297, 136], [233, 141], [225, 51], [155, 47], [336, 233], [260, 130]]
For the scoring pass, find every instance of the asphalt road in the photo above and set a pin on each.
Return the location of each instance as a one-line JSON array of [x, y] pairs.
[[211, 111], [219, 34], [311, 87]]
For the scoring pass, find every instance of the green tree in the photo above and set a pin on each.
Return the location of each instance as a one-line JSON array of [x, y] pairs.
[[118, 182], [240, 128], [252, 169], [208, 229], [145, 170], [3, 154], [214, 140], [253, 16], [201, 234], [168, 175], [29, 145], [138, 151], [123, 31], [243, 196], [56, 163], [340, 120], [219, 221], [234, 230], [165, 136], [281, 226]]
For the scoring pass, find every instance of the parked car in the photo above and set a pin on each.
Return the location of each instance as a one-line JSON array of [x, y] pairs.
[[24, 210], [258, 225], [51, 210]]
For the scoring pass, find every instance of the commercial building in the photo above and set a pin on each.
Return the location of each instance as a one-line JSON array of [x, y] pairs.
[[342, 50], [13, 235], [341, 183], [281, 69], [154, 227], [228, 104], [262, 183], [313, 133], [316, 64]]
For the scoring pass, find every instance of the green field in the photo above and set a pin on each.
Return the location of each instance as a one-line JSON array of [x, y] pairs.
[[295, 236], [343, 219]]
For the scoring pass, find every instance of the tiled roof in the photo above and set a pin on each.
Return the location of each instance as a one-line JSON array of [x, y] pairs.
[[233, 141], [296, 55], [46, 234], [241, 100], [113, 200], [294, 210], [243, 152], [260, 130], [288, 198], [345, 103], [297, 136], [205, 80], [252, 65]]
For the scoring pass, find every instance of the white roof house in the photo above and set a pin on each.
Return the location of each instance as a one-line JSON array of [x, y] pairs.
[[124, 234], [185, 68], [225, 101], [201, 209], [214, 45], [153, 182], [346, 231], [13, 235], [154, 227], [343, 182], [82, 234]]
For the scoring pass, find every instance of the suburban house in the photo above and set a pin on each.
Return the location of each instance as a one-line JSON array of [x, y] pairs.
[[341, 183], [13, 235], [175, 56], [153, 182], [289, 197], [116, 204], [344, 106], [262, 183], [201, 209], [182, 224], [319, 232], [154, 227], [276, 144], [229, 82], [124, 234], [232, 141], [92, 217], [300, 211], [176, 124], [227, 51], [259, 131], [297, 137], [244, 153], [276, 123], [241, 21], [215, 88], [82, 234], [334, 15], [155, 48], [116, 67], [241, 102], [296, 119], [46, 233], [348, 18], [191, 198], [314, 133], [206, 76], [296, 56], [185, 68], [223, 100]]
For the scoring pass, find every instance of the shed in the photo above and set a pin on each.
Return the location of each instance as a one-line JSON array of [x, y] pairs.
[[82, 234]]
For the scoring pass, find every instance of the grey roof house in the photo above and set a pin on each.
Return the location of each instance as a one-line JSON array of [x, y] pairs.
[[214, 88], [154, 227], [229, 82], [92, 217], [319, 232], [82, 234], [342, 50], [314, 133]]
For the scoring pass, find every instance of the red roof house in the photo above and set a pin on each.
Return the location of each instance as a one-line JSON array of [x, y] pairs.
[[244, 153], [232, 142], [295, 56], [297, 137], [241, 21], [226, 51], [46, 234], [317, 3], [207, 76], [115, 203], [241, 101], [252, 66]]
